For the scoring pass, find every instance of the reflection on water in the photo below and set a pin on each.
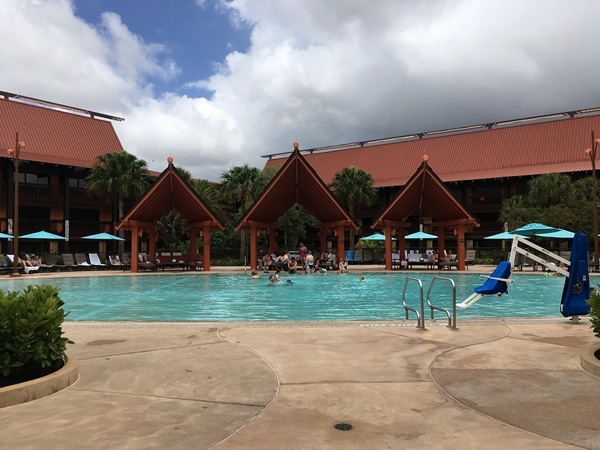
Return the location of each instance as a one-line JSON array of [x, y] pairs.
[[331, 296]]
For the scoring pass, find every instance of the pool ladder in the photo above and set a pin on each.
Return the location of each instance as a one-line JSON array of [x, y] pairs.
[[420, 313]]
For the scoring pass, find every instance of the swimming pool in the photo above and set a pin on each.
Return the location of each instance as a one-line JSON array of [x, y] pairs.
[[319, 297]]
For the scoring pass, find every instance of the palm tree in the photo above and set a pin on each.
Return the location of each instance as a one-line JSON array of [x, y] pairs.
[[242, 185], [352, 188], [118, 176]]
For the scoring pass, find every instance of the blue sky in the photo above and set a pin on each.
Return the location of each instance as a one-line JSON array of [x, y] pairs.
[[197, 36], [219, 83]]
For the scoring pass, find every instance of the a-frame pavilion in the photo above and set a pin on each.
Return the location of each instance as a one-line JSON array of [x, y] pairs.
[[295, 183], [170, 192], [425, 194]]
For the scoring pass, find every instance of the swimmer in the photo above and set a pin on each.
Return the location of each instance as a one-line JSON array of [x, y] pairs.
[[361, 278], [274, 279], [255, 274], [289, 282]]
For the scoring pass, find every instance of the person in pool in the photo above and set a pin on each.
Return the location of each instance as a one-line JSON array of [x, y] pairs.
[[255, 274], [275, 278]]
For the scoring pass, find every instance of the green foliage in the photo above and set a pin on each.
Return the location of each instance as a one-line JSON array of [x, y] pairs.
[[353, 188], [594, 302], [31, 342], [553, 199], [294, 224]]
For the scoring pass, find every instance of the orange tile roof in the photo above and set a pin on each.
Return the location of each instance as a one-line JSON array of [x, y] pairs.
[[170, 192], [55, 136], [296, 182], [425, 190], [505, 151]]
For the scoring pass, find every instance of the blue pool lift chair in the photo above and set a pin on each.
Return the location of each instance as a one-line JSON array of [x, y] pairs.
[[496, 284]]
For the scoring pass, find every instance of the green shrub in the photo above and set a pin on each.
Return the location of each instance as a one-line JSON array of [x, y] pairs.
[[31, 342], [594, 302]]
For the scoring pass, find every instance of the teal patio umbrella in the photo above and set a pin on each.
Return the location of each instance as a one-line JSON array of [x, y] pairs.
[[375, 237], [560, 234], [103, 237], [504, 236], [6, 236], [534, 229], [43, 235], [420, 235]]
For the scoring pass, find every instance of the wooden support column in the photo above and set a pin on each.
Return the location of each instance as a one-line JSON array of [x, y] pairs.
[[323, 238], [272, 241], [152, 244], [402, 243], [206, 247], [460, 247], [253, 249], [193, 244], [340, 242], [135, 248], [441, 242], [388, 246]]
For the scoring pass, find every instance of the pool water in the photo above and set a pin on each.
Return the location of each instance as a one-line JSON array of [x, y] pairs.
[[318, 297]]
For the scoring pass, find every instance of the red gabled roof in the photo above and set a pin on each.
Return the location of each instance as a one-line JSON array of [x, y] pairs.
[[296, 182], [170, 192], [54, 136], [505, 151], [424, 190]]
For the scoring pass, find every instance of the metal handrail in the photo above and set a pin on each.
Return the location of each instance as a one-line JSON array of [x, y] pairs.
[[421, 314], [451, 320]]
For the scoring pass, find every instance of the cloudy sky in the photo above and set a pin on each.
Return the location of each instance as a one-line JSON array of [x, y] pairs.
[[218, 83]]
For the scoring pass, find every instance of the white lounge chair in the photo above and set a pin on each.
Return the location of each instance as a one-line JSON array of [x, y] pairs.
[[95, 261]]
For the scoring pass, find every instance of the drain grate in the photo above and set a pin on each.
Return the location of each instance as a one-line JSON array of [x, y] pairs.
[[343, 426]]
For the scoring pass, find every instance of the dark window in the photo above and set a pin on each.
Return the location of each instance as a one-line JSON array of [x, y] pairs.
[[487, 195], [79, 214], [77, 183]]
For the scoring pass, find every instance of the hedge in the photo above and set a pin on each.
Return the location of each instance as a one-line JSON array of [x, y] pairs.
[[31, 341]]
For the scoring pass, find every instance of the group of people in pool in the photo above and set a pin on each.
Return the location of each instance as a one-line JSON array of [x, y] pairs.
[[304, 261]]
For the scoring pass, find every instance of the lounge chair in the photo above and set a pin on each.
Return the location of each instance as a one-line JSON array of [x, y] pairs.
[[117, 263], [37, 261], [5, 266], [69, 262], [470, 257], [23, 267], [144, 263], [95, 261], [49, 260], [82, 262], [397, 262]]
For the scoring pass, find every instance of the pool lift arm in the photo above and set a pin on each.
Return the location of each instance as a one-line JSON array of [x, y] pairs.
[[502, 273], [550, 265]]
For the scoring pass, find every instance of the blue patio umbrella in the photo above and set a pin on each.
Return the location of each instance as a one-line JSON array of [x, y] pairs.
[[420, 235], [560, 234], [375, 237], [6, 236], [504, 236], [43, 235], [534, 229], [103, 237]]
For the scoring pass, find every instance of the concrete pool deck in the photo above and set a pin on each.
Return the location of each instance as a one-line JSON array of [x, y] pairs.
[[488, 384]]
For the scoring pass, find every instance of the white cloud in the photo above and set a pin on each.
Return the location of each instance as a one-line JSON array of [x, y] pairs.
[[318, 72]]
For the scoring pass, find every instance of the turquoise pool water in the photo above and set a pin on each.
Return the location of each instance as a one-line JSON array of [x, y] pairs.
[[319, 297]]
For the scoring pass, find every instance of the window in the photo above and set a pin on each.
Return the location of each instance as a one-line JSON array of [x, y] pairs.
[[77, 183], [487, 195], [34, 179]]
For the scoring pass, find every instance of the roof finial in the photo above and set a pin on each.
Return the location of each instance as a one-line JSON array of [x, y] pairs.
[[296, 145]]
